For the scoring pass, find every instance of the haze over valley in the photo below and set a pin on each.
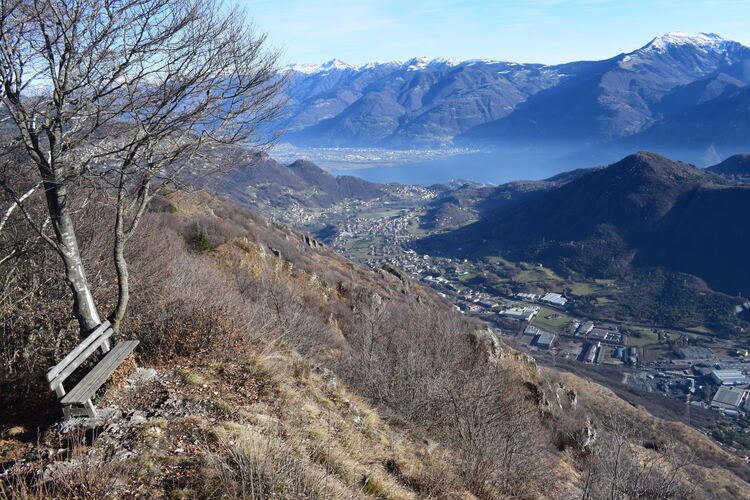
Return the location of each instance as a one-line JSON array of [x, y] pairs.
[[681, 95]]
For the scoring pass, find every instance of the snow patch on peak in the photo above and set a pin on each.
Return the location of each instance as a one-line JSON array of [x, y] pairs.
[[307, 69], [423, 62], [333, 64], [704, 41], [337, 64]]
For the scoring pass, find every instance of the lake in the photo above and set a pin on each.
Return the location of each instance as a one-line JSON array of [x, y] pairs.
[[488, 167]]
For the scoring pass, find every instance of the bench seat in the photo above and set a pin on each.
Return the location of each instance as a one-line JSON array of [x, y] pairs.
[[82, 393], [87, 387]]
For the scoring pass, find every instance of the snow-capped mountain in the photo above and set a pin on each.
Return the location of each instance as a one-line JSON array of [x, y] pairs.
[[704, 41], [429, 101]]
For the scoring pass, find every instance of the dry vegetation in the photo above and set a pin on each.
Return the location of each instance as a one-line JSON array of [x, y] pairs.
[[285, 371]]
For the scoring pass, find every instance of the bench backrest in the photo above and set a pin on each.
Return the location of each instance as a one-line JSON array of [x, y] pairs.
[[62, 370]]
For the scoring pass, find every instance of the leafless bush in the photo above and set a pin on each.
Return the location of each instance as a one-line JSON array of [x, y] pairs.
[[497, 432], [418, 362], [621, 468], [204, 232]]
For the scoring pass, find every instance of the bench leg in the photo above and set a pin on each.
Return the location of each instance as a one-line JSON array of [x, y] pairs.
[[105, 347], [90, 409], [66, 412]]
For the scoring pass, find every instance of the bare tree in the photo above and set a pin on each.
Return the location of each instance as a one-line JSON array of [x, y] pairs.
[[132, 95]]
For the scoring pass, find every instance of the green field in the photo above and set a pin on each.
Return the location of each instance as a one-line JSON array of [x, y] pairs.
[[493, 259], [359, 248], [467, 277], [583, 288], [555, 325], [604, 281], [416, 230], [647, 337], [540, 275]]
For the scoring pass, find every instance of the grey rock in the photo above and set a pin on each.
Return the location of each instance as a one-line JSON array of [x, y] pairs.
[[141, 375], [104, 418]]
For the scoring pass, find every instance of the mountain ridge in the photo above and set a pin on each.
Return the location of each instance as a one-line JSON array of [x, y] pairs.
[[262, 182], [736, 165], [432, 101]]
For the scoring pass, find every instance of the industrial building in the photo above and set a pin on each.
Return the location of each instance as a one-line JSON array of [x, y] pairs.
[[728, 398], [729, 377], [631, 356], [544, 340], [520, 313], [605, 334], [585, 328], [600, 355], [532, 330], [694, 353], [589, 352], [528, 296], [555, 298]]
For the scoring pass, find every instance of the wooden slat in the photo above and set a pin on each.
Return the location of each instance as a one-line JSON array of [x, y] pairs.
[[59, 367], [73, 365], [101, 372]]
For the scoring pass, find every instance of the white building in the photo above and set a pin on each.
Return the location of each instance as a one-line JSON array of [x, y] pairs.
[[520, 313], [729, 377], [555, 298], [528, 296]]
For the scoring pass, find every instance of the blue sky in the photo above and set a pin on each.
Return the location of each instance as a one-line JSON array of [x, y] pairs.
[[546, 31]]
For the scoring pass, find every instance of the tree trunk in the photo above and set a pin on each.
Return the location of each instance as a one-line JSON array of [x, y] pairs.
[[123, 283], [84, 308]]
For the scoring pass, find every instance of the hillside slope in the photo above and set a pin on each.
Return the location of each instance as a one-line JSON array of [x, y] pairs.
[[280, 368], [723, 122]]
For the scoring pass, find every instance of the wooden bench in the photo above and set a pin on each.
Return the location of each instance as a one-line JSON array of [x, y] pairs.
[[82, 393]]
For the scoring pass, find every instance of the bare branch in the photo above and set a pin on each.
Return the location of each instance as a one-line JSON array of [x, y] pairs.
[[15, 205]]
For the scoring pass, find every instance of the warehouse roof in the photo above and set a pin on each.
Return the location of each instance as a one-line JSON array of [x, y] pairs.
[[730, 396]]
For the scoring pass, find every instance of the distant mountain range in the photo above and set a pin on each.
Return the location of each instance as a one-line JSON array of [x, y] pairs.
[[645, 210], [678, 91]]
